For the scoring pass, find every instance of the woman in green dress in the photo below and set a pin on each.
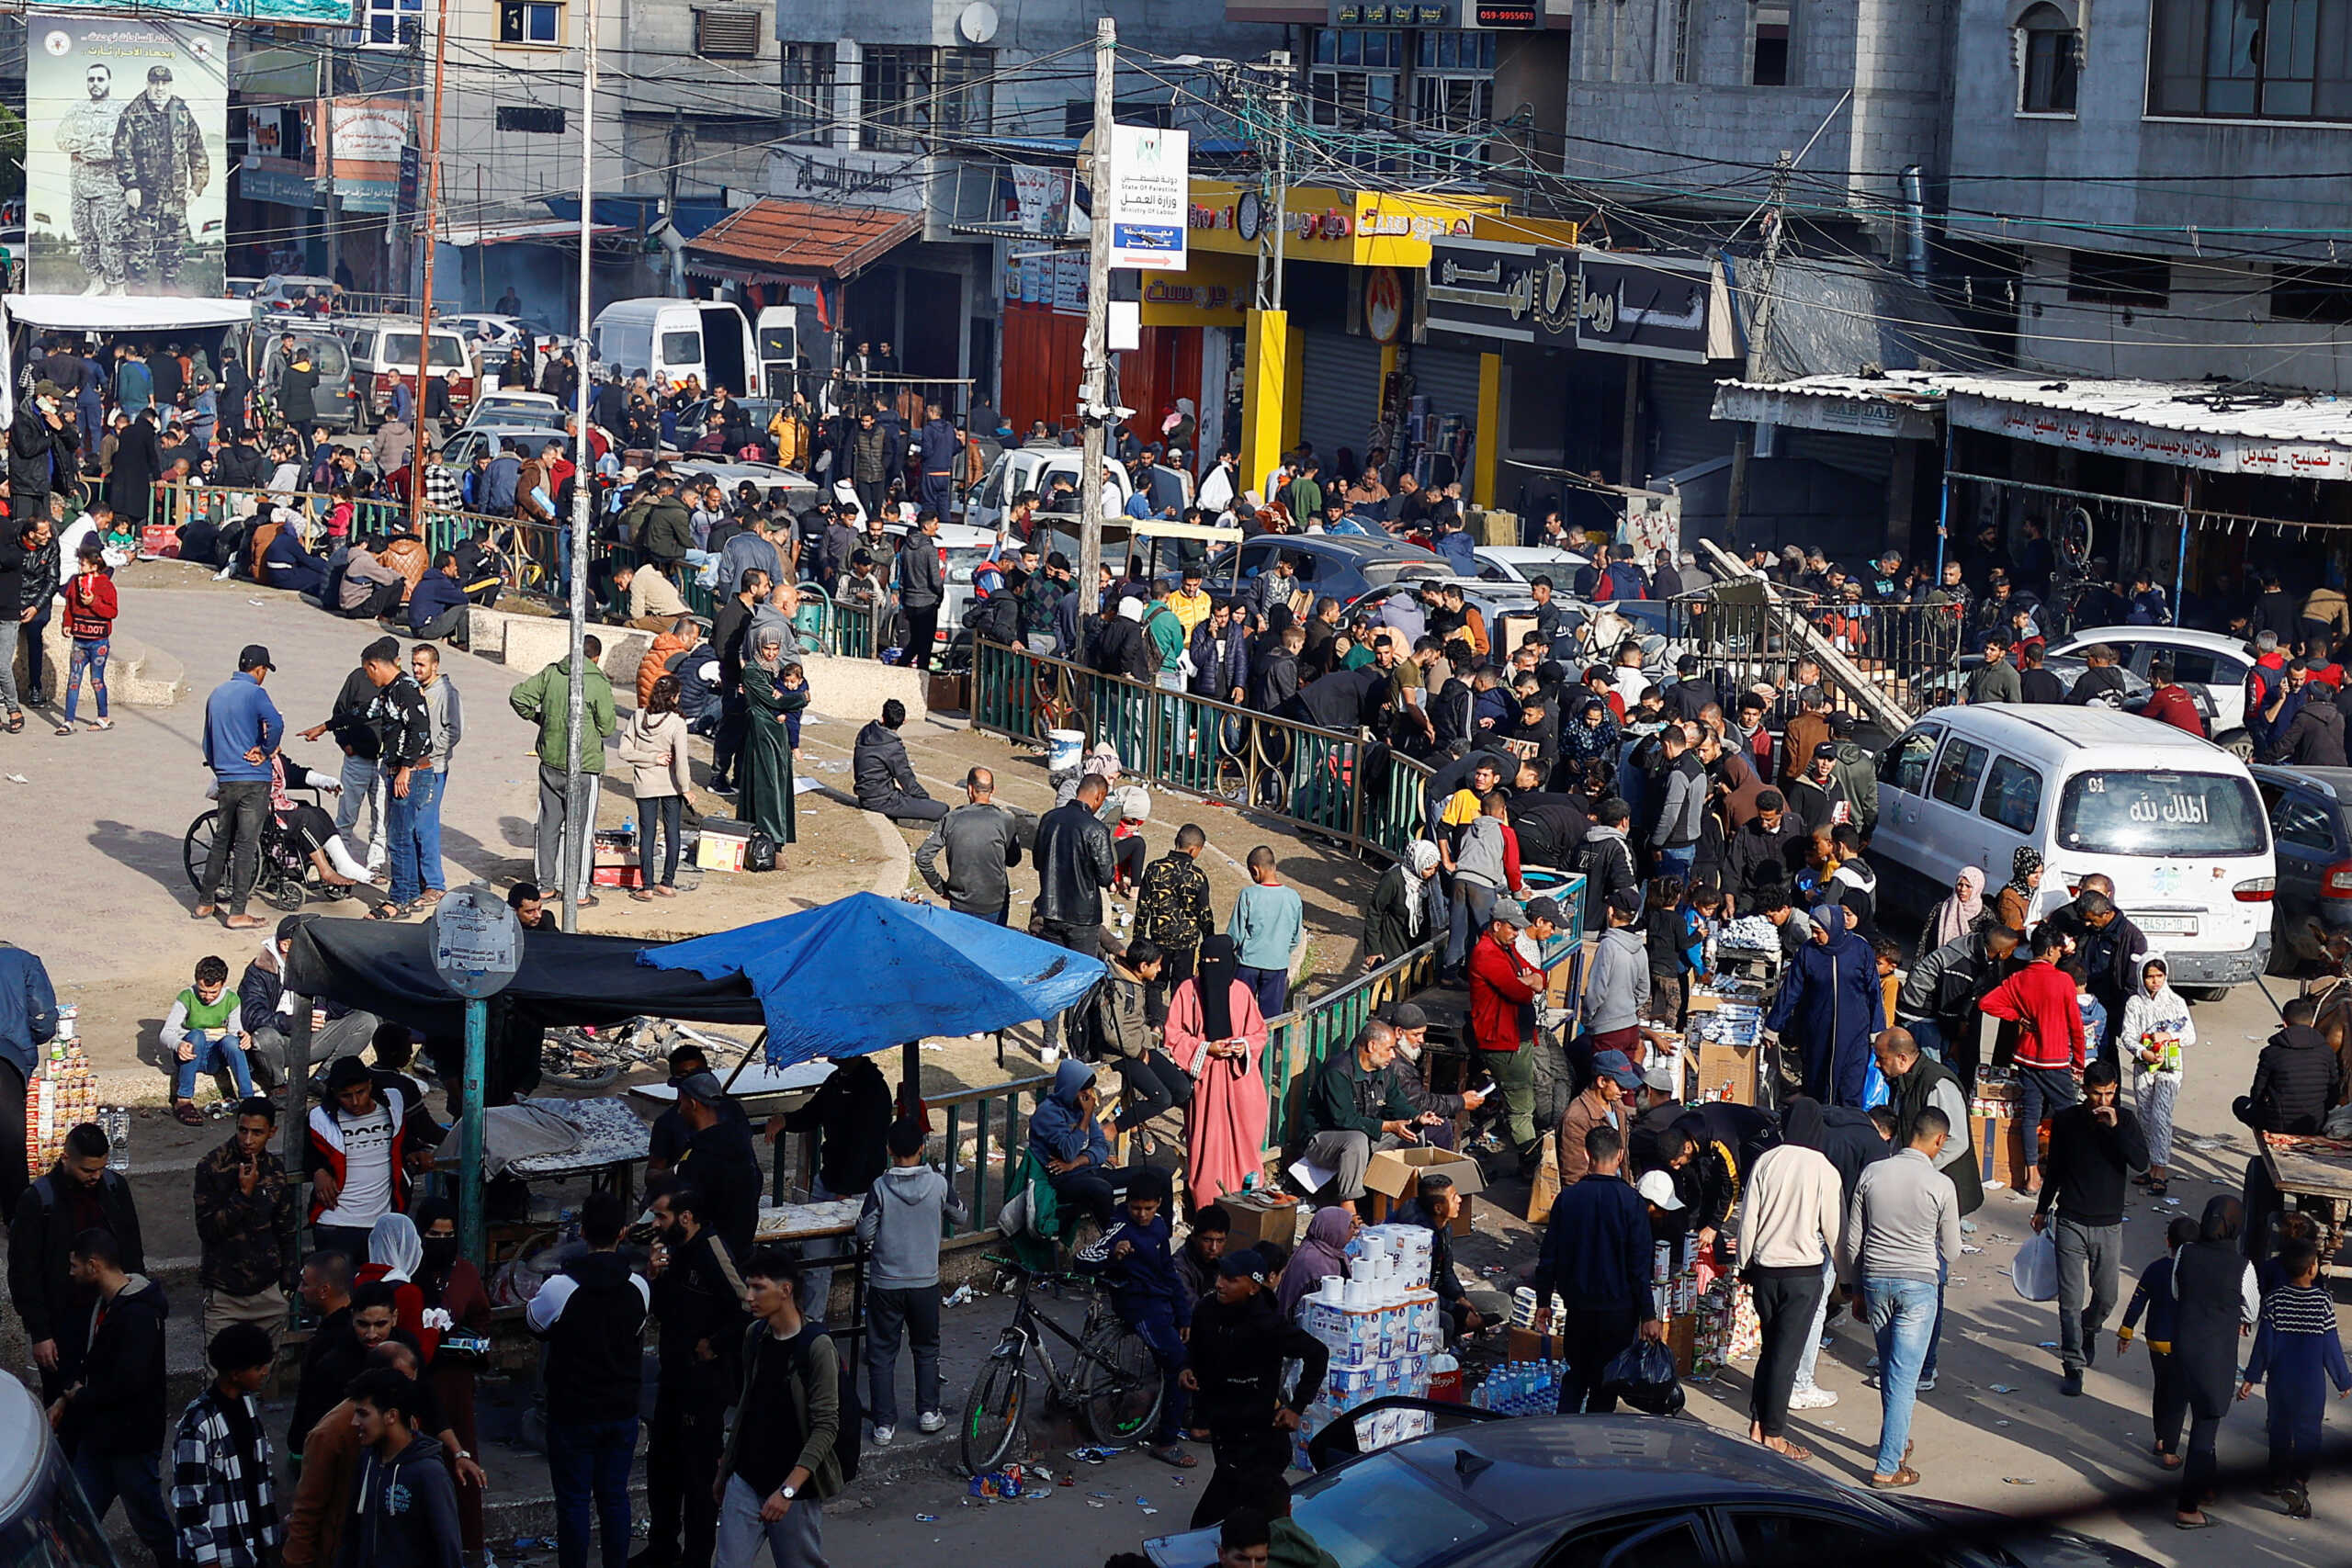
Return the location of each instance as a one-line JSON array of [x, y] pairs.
[[766, 802]]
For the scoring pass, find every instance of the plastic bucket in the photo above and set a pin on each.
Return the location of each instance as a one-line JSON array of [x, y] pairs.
[[1064, 748]]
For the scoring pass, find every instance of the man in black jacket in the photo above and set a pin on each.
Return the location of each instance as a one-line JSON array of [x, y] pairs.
[[592, 1318], [2112, 950], [2297, 1080], [1764, 850], [883, 779], [1074, 865], [1234, 1367], [2094, 1145], [43, 446], [111, 1419], [51, 1298], [720, 1161], [698, 1300]]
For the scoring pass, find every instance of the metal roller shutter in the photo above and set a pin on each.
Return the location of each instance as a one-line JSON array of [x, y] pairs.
[[1870, 456], [1449, 378], [1680, 410], [1342, 393]]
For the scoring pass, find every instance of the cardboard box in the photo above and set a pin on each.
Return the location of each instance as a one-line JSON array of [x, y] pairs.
[[1526, 1344], [1460, 1227], [1261, 1216], [1728, 1072], [721, 844], [1546, 1189], [1397, 1171]]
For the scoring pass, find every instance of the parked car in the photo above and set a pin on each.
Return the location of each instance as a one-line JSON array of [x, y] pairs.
[[2310, 832], [962, 548], [384, 354], [2212, 665], [1022, 469], [287, 290], [1524, 563], [693, 418], [2175, 820], [44, 1518], [460, 450], [787, 488], [502, 410], [1626, 1492], [336, 400], [1340, 566]]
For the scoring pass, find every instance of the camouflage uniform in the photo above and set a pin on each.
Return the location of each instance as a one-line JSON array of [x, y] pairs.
[[1172, 909], [159, 152], [85, 135]]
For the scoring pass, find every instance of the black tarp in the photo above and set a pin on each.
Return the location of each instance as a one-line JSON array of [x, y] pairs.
[[564, 981]]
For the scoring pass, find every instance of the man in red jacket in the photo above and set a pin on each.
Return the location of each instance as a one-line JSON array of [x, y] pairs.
[[2171, 703], [1502, 985], [2040, 999]]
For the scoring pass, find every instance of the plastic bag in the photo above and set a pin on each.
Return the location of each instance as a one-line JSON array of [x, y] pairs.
[[759, 853], [2034, 1270], [1642, 1375]]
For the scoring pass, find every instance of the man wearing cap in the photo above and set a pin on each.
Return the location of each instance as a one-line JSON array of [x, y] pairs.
[[1668, 1212], [159, 158], [241, 731], [1603, 1104], [1412, 1027], [1233, 1365], [1818, 796], [719, 1162], [1502, 985]]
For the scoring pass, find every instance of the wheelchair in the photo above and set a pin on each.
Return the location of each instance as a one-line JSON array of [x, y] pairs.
[[283, 875]]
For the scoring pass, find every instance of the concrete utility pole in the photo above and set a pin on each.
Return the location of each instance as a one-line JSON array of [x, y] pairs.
[[579, 833], [1776, 225], [430, 228], [1094, 395]]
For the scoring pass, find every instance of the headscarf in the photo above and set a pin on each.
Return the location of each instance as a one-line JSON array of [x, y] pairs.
[[1102, 763], [1957, 915], [1321, 1255], [1832, 918], [1219, 967], [770, 666], [433, 1277], [1420, 859], [2224, 1217], [2023, 865], [1803, 1124], [395, 1244]]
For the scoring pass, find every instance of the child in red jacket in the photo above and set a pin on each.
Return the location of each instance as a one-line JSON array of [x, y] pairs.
[[90, 609], [2040, 1001]]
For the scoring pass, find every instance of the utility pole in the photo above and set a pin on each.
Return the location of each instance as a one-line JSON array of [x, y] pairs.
[[1265, 420], [326, 157], [1272, 226], [430, 228], [1760, 326], [1094, 396], [579, 831]]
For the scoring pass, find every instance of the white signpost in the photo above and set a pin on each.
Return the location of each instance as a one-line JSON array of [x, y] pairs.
[[1149, 183], [477, 948]]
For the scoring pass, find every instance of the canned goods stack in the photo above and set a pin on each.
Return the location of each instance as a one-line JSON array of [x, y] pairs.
[[62, 1098]]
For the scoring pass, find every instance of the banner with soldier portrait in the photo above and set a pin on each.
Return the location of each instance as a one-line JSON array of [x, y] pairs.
[[126, 155]]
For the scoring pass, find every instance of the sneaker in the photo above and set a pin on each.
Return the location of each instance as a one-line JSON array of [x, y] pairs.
[[930, 1421], [1926, 1385], [1812, 1398], [882, 1434], [2071, 1385], [2091, 1349]]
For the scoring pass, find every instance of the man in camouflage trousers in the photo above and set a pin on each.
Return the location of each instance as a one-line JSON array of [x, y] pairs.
[[159, 157], [85, 135], [1172, 906]]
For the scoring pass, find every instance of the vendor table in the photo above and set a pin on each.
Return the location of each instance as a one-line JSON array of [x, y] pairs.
[[2313, 1177], [613, 1138], [830, 1222]]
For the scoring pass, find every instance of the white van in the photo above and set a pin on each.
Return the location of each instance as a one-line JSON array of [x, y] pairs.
[[1034, 469], [708, 339], [2175, 820]]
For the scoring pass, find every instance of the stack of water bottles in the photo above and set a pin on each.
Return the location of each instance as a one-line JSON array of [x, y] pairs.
[[1521, 1388], [1380, 1323]]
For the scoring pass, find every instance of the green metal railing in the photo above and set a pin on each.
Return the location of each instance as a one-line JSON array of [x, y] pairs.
[[1298, 1040], [997, 1105]]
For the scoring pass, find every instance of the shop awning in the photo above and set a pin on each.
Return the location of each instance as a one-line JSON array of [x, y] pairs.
[[774, 240], [116, 313], [1900, 405], [2191, 424], [465, 233]]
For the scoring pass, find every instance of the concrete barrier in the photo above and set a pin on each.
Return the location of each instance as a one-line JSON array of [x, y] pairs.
[[531, 643], [137, 675]]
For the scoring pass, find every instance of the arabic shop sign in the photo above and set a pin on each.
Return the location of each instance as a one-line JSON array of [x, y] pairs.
[[1486, 288], [2215, 451], [1652, 306]]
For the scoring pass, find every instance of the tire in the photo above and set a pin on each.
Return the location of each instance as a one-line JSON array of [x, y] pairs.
[[196, 848], [2237, 743], [1121, 1398], [565, 1062], [289, 894], [993, 1412], [2204, 993]]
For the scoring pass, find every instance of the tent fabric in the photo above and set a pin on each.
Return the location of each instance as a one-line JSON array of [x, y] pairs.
[[866, 972], [565, 981]]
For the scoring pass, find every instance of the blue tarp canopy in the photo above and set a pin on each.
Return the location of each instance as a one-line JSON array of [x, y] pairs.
[[868, 973]]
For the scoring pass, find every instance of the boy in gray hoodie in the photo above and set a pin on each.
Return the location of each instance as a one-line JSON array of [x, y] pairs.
[[899, 1227]]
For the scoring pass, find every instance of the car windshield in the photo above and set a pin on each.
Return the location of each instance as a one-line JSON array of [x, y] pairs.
[[2136, 813], [449, 350], [961, 561], [327, 356], [1383, 1513], [1380, 573]]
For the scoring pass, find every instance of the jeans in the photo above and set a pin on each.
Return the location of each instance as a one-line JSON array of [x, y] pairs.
[[1785, 1299], [1086, 940], [1271, 988], [1929, 1036], [1474, 904], [1674, 859], [399, 833], [1936, 1335], [91, 656], [665, 812], [2042, 1092], [1902, 1314], [358, 780], [1094, 1188], [132, 1478], [214, 1049], [889, 1312], [569, 882], [9, 627], [2089, 1256], [425, 793], [236, 843], [796, 1540], [31, 634], [1158, 1329], [1154, 1085], [1813, 1333], [589, 1462]]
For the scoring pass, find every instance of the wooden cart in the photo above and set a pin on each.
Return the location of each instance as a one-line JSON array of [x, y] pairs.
[[2313, 1177]]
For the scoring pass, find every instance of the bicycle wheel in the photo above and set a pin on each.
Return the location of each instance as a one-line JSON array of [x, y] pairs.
[[566, 1059], [196, 848], [1119, 1398], [993, 1412]]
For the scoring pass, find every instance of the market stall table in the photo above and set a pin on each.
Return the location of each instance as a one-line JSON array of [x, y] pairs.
[[835, 1220], [612, 1139], [2313, 1177]]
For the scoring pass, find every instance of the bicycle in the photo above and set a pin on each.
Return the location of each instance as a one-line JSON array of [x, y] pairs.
[[587, 1058], [1113, 1382]]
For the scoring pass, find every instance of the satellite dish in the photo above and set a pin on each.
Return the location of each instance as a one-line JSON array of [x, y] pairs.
[[977, 22]]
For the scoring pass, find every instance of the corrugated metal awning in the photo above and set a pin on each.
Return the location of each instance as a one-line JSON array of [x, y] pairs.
[[1904, 405], [773, 241], [2190, 424]]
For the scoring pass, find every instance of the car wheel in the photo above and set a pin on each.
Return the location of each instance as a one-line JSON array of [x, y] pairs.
[[2238, 744], [2204, 993]]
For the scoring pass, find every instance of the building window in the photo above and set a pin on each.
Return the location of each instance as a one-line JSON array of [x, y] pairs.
[[535, 24], [1686, 61], [2096, 278], [727, 35], [2047, 56], [808, 80], [388, 24], [2252, 59], [2320, 294], [906, 95], [534, 119], [1769, 60], [1354, 76]]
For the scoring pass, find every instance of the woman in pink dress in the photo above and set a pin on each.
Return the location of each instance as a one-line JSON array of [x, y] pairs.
[[1215, 1033]]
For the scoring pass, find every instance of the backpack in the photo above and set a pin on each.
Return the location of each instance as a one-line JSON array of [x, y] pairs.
[[848, 1436], [996, 618]]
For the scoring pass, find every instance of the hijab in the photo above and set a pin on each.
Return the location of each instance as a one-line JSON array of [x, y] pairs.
[[395, 1244], [439, 1253], [1219, 967], [1420, 859], [2224, 1215], [1321, 1255], [773, 667], [1958, 915], [2022, 865]]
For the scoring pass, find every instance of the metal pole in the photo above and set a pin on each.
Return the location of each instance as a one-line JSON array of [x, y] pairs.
[[1095, 396], [1758, 328], [431, 245], [470, 1218], [1944, 509], [578, 833], [2180, 567]]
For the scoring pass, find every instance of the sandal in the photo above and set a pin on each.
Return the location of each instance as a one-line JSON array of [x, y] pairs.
[[1788, 1449], [15, 722], [2158, 1189], [430, 896], [388, 911], [101, 723], [1175, 1456], [65, 729], [187, 1114], [1903, 1476], [639, 896], [663, 890], [2191, 1522]]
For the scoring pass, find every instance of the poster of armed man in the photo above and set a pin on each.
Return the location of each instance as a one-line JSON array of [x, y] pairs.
[[126, 155]]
